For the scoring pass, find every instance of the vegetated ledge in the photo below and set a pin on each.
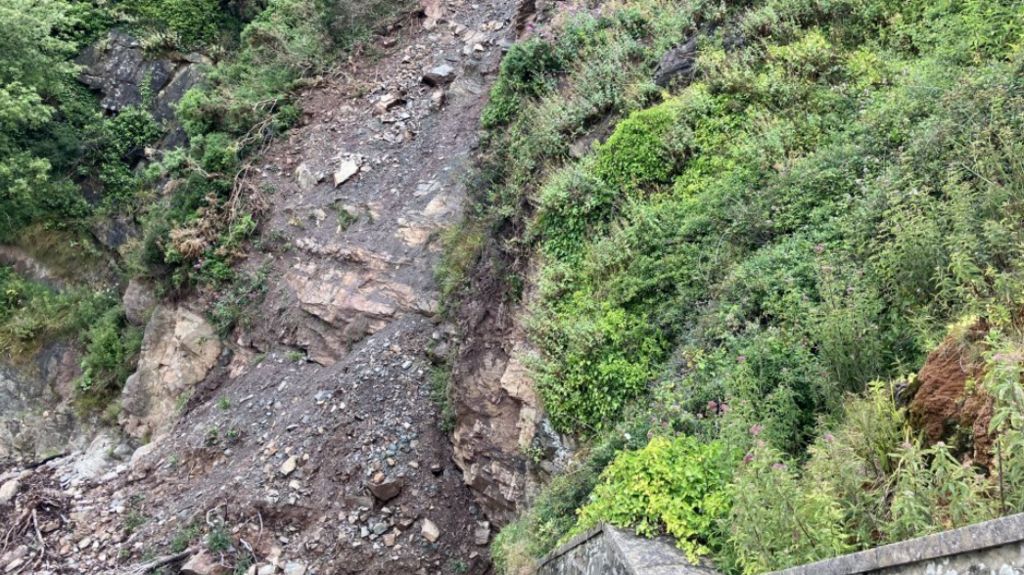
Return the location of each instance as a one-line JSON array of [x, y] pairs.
[[995, 546], [989, 547]]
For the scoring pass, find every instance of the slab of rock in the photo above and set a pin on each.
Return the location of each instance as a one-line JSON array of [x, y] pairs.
[[433, 12], [346, 169], [388, 102], [430, 531], [117, 68], [482, 533], [678, 65], [306, 178], [294, 568], [203, 564], [179, 349]]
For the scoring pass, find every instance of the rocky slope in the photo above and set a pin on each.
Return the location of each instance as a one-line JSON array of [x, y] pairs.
[[307, 441]]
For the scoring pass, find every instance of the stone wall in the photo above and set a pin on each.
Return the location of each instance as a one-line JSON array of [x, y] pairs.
[[991, 548], [606, 550]]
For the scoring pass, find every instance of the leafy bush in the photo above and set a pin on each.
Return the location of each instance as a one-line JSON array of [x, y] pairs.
[[32, 313], [111, 351], [777, 520], [194, 22], [597, 364], [645, 149], [675, 486], [526, 72]]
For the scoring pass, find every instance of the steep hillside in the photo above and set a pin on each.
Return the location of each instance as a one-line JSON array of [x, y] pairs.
[[713, 241], [325, 286], [272, 386]]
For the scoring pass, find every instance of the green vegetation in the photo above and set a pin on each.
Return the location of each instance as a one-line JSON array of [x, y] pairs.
[[677, 485], [738, 258], [440, 394]]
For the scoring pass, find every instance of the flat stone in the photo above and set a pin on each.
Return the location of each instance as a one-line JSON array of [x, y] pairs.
[[346, 169], [482, 533], [305, 177], [294, 568], [439, 76]]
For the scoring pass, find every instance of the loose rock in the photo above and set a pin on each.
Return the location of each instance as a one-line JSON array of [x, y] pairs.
[[430, 531]]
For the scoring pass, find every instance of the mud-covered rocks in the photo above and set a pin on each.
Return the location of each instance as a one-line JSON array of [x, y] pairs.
[[179, 349]]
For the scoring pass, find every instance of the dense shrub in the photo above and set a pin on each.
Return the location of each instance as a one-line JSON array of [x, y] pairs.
[[675, 486], [111, 350], [193, 22], [838, 183]]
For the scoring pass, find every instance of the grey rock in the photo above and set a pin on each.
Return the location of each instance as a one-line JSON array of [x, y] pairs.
[[678, 65], [184, 79], [439, 76], [138, 301], [117, 68], [482, 533]]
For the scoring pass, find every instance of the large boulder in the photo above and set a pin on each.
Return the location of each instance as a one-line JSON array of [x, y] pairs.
[[138, 301], [117, 68], [179, 349]]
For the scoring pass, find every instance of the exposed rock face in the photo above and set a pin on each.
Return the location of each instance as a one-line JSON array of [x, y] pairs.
[[117, 67], [942, 404], [36, 415], [178, 350], [678, 65], [496, 407]]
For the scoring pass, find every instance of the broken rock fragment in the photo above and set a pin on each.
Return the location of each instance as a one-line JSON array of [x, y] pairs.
[[430, 531], [439, 76]]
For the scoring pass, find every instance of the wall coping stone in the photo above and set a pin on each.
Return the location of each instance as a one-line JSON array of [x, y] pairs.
[[977, 537], [640, 556]]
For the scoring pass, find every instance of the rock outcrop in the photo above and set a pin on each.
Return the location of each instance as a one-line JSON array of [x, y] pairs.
[[179, 349], [119, 69]]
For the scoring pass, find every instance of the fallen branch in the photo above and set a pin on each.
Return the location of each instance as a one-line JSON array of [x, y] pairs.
[[148, 566]]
